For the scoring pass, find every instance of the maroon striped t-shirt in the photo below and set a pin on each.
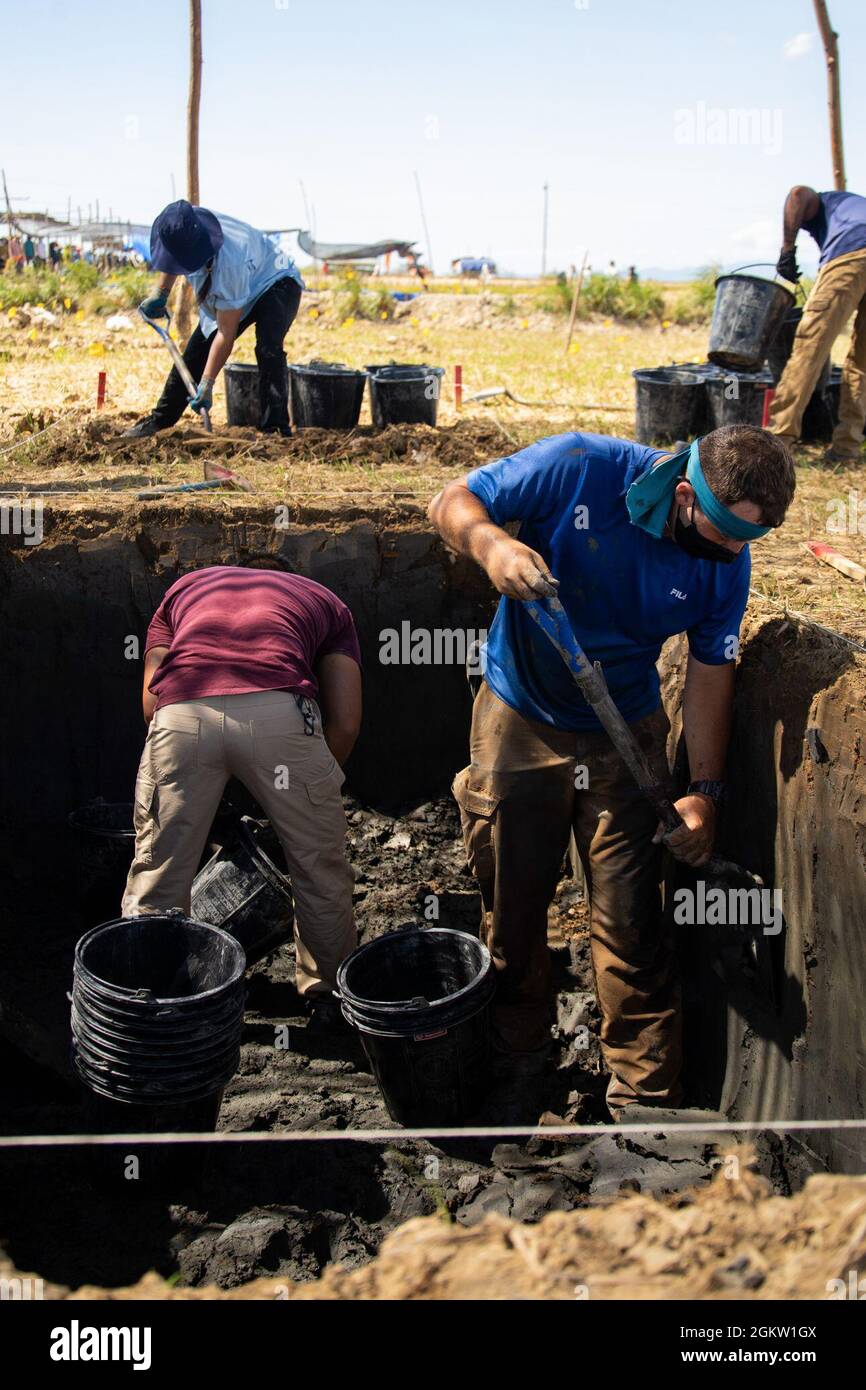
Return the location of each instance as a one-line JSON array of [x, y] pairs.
[[232, 630]]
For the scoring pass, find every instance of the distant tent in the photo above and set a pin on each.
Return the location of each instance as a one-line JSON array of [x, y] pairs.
[[351, 251]]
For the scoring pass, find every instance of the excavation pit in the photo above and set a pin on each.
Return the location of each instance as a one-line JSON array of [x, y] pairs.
[[773, 1023]]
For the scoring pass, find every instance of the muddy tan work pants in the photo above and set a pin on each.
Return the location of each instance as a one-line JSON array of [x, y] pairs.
[[838, 292], [191, 750], [518, 805]]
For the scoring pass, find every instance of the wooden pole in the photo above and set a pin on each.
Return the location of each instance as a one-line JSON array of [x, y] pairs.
[[424, 223], [574, 303], [184, 316], [830, 39]]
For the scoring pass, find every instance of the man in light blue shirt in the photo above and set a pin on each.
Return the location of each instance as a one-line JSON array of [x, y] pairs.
[[240, 277]]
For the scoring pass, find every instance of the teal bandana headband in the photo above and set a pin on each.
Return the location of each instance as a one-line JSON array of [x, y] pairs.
[[649, 498]]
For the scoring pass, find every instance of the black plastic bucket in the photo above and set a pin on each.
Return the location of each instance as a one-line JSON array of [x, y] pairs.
[[737, 398], [420, 1000], [405, 394], [780, 348], [669, 401], [747, 315], [822, 411], [242, 890], [105, 844], [243, 406], [157, 1012], [325, 395]]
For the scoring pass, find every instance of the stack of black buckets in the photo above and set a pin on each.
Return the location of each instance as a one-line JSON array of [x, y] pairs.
[[328, 395], [751, 336]]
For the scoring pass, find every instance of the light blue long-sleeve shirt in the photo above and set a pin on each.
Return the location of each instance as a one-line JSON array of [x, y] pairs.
[[247, 264]]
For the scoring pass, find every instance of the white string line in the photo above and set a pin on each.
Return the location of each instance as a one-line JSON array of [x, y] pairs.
[[22, 443], [804, 618], [386, 1136]]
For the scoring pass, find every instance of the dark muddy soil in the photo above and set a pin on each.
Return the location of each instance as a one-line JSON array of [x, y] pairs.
[[289, 1209]]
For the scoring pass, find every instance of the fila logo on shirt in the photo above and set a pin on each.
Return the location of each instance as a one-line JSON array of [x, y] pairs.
[[678, 593]]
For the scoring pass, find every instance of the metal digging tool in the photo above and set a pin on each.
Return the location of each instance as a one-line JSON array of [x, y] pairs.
[[177, 359], [552, 618]]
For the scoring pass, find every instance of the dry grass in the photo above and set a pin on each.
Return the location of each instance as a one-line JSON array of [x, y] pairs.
[[47, 373]]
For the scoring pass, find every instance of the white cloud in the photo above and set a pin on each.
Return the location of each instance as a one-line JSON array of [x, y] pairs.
[[798, 46], [759, 239]]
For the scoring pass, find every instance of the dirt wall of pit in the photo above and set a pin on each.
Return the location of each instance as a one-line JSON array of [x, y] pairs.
[[774, 1023]]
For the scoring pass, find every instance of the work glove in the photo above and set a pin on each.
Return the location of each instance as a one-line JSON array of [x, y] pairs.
[[787, 267], [155, 306], [203, 398]]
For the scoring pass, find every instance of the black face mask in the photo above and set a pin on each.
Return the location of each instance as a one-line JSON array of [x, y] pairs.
[[689, 539]]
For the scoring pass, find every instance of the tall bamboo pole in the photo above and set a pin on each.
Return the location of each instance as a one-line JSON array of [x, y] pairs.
[[830, 39], [184, 316]]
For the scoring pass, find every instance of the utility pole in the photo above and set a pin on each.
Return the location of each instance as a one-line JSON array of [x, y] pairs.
[[184, 317], [544, 235], [830, 39], [8, 204], [424, 222], [306, 207]]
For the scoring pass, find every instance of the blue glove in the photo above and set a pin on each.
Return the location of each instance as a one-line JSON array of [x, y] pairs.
[[203, 398], [155, 306]]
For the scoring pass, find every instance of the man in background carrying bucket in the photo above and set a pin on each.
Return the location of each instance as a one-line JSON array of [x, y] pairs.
[[837, 222], [240, 277]]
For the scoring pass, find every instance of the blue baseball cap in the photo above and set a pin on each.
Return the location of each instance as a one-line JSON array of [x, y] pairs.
[[184, 238]]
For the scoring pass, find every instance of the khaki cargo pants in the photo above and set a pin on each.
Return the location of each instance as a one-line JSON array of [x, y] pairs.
[[264, 740], [838, 292], [518, 805]]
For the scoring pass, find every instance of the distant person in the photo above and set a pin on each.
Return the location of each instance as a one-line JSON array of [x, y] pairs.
[[54, 255], [240, 277], [251, 672], [29, 251], [837, 222], [632, 275], [16, 253]]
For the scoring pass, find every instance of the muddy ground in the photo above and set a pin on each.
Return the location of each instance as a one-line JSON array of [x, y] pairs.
[[289, 1210]]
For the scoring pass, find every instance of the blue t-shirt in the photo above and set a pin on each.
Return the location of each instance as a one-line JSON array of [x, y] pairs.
[[624, 591], [839, 225], [247, 264]]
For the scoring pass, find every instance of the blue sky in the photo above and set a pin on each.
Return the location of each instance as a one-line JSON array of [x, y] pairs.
[[635, 113]]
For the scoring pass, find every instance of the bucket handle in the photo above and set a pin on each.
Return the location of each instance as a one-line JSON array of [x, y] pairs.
[[760, 265]]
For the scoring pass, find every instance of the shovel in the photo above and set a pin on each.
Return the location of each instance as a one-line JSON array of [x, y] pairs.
[[552, 618], [175, 355]]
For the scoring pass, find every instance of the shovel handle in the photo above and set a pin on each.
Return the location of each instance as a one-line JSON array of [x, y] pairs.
[[553, 620], [177, 358]]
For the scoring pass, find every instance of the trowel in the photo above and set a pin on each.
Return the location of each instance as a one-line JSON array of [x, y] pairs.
[[552, 618]]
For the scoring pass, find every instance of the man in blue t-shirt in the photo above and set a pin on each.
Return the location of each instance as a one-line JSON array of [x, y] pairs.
[[639, 546], [240, 277], [837, 222]]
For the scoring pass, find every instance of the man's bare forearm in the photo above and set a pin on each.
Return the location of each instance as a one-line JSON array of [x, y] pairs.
[[464, 524], [153, 659], [707, 711]]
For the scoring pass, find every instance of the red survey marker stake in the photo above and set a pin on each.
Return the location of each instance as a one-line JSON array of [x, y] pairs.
[[100, 390], [458, 387]]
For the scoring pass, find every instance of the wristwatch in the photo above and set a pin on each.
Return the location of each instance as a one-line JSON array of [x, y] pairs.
[[716, 791]]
